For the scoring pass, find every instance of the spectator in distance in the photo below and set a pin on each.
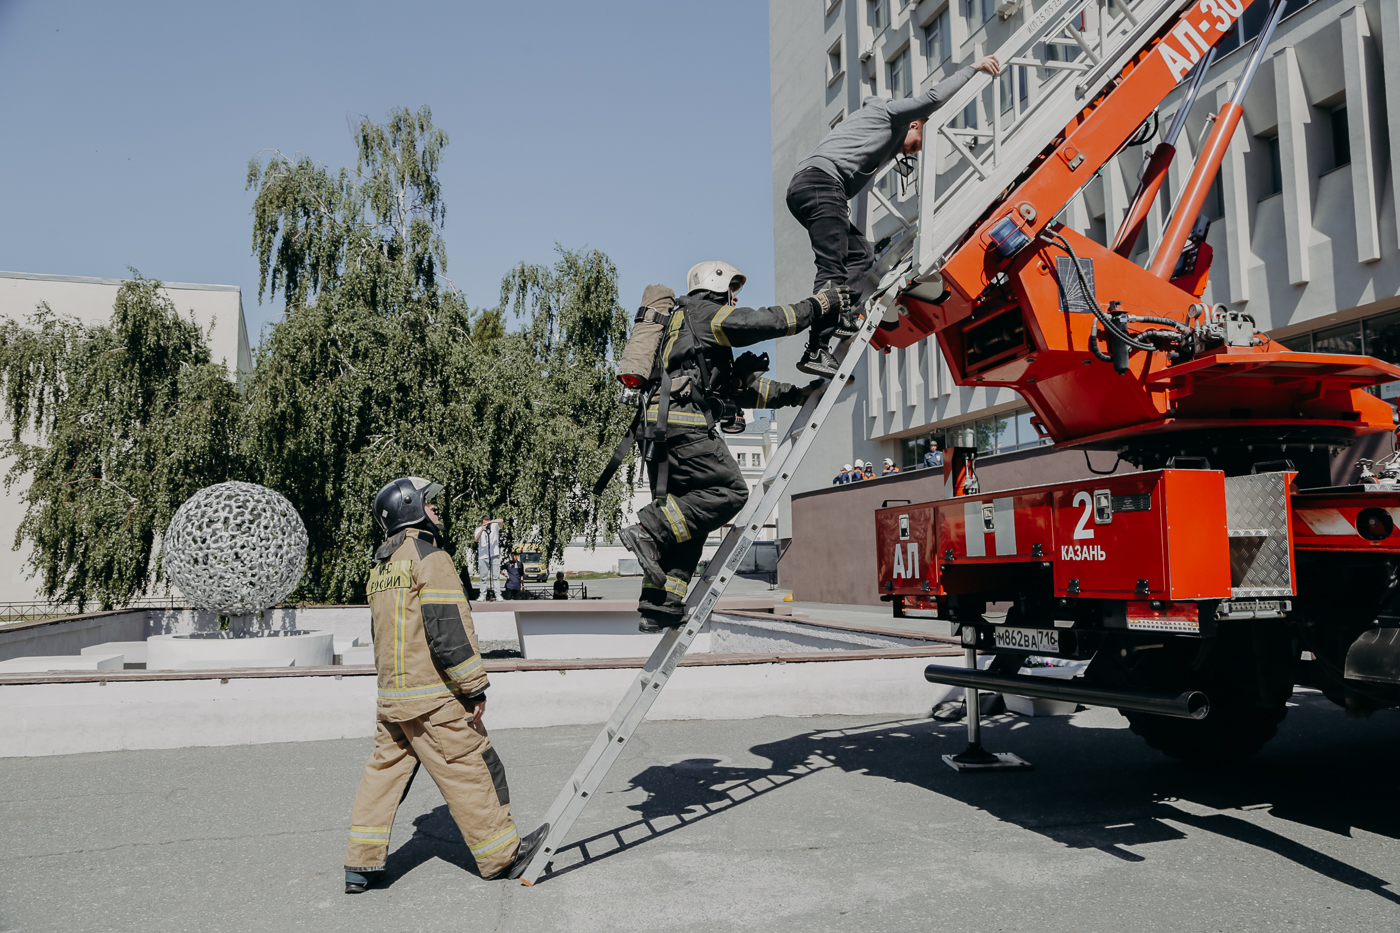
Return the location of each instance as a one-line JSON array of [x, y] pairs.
[[515, 576], [488, 556], [843, 477], [858, 473], [869, 470], [561, 586], [934, 457], [890, 468]]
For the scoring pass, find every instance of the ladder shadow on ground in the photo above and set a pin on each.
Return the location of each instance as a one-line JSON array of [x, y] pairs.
[[679, 795], [1093, 788], [1104, 789]]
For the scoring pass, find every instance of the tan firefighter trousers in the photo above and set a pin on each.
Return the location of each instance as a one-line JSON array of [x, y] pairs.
[[465, 767]]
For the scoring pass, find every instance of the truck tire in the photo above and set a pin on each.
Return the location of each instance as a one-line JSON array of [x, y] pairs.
[[1247, 669], [1225, 736]]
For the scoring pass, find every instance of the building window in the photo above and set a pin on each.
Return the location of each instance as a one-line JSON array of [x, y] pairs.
[[1007, 94], [833, 63], [1341, 138], [837, 119], [938, 41], [879, 15], [1383, 337], [741, 458], [979, 11], [757, 460], [1002, 434], [1343, 339], [969, 116], [900, 81], [1302, 343], [1275, 168]]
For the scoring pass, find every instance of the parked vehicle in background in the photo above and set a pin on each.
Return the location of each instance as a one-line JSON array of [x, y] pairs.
[[536, 566]]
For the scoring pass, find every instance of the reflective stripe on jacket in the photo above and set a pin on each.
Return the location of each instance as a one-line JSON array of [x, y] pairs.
[[425, 648]]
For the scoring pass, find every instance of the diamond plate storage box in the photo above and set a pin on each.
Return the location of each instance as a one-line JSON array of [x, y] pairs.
[[1261, 531]]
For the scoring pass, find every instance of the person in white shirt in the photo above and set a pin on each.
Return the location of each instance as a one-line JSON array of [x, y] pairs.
[[488, 556]]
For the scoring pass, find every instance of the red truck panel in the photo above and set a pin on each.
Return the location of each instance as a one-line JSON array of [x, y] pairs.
[[1103, 536], [905, 553]]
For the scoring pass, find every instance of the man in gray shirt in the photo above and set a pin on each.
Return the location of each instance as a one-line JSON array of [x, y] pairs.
[[841, 166]]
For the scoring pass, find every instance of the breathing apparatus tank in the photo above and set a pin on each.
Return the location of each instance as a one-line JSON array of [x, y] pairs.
[[636, 366]]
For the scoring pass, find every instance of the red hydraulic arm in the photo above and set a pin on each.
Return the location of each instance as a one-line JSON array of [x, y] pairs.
[[1107, 353]]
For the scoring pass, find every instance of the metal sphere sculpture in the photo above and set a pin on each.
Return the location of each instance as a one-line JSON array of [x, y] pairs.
[[236, 548]]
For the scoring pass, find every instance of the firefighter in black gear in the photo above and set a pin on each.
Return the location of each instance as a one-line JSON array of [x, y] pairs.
[[696, 485]]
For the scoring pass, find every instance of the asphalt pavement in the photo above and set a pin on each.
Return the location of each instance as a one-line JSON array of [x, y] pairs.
[[825, 823]]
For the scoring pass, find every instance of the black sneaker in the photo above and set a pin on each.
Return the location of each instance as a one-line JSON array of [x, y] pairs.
[[643, 547], [523, 852], [848, 325], [818, 362]]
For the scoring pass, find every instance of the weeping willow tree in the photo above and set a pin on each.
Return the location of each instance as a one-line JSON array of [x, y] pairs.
[[380, 368], [111, 427]]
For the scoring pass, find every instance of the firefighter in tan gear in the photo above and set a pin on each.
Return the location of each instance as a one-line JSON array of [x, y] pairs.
[[432, 694]]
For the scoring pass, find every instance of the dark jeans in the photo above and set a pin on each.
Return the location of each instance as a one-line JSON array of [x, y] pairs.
[[510, 593], [704, 490], [842, 252]]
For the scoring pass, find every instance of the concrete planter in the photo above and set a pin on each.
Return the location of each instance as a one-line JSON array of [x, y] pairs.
[[203, 650]]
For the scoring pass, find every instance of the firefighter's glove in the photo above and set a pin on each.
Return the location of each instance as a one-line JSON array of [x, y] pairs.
[[832, 301]]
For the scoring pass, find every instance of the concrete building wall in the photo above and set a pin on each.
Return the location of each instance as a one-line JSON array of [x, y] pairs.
[[1322, 251], [218, 309]]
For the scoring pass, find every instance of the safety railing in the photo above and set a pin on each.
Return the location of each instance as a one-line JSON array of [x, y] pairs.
[[1073, 48]]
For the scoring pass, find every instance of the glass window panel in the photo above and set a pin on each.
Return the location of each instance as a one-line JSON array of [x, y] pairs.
[[938, 41], [1383, 337], [1005, 435], [1025, 433], [1341, 138], [1299, 342], [1344, 339]]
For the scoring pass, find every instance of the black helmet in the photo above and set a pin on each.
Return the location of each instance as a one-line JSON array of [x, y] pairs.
[[399, 505]]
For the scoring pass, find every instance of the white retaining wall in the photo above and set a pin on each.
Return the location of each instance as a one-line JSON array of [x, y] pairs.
[[68, 718]]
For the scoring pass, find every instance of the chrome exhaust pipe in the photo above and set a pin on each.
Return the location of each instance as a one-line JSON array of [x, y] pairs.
[[1191, 704]]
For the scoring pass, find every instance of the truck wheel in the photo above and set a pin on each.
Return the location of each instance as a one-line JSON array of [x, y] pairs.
[[1226, 735]]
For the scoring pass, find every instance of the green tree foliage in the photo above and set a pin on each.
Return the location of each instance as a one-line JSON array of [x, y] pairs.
[[131, 418], [379, 371]]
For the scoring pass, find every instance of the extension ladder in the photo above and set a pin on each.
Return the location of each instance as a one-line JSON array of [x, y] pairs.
[[949, 199], [702, 599]]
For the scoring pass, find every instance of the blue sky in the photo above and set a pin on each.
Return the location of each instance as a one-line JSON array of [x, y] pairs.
[[640, 129]]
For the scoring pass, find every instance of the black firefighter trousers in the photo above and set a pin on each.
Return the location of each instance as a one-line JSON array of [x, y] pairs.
[[704, 490]]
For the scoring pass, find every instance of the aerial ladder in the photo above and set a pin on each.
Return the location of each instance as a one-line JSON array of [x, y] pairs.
[[942, 276]]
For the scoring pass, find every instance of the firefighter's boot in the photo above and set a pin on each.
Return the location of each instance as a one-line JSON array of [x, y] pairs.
[[647, 552], [356, 883], [527, 848]]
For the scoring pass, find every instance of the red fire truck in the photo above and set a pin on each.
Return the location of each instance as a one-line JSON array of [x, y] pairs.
[[1227, 569]]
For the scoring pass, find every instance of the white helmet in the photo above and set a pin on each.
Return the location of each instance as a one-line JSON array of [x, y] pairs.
[[846, 468], [714, 276], [860, 464], [889, 462]]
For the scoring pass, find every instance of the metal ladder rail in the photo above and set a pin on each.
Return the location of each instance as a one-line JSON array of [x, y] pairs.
[[657, 670], [973, 181]]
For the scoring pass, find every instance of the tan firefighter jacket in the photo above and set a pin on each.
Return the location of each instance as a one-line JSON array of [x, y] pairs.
[[425, 649]]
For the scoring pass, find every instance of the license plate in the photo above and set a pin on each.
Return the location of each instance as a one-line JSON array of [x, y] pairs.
[[1036, 640]]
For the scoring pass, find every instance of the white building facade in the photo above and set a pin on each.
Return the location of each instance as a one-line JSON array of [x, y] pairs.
[[1304, 222]]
